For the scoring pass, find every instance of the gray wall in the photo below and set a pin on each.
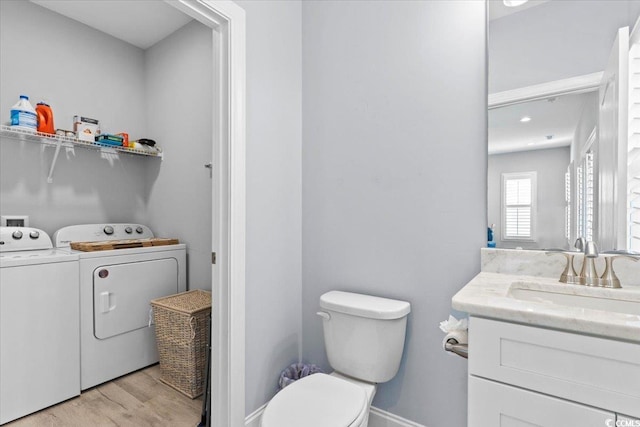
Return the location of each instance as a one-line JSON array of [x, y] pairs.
[[394, 177], [556, 40], [274, 141], [63, 68], [145, 95], [551, 166], [179, 89]]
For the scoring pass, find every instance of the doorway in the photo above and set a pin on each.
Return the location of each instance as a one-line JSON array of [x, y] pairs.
[[93, 186]]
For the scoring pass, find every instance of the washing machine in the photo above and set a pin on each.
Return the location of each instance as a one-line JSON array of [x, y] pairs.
[[39, 323], [117, 335]]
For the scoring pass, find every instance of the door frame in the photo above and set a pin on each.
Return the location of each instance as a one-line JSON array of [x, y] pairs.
[[613, 96], [228, 22]]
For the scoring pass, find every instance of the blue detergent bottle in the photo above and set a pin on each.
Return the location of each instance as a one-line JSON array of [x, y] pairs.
[[490, 242]]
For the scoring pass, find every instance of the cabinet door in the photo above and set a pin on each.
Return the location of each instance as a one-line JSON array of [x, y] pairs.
[[499, 405], [599, 372]]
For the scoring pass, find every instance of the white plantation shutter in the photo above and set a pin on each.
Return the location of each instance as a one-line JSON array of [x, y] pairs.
[[580, 214], [589, 197], [518, 195], [567, 201], [585, 197]]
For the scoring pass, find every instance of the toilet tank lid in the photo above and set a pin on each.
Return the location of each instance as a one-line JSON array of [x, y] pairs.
[[364, 305]]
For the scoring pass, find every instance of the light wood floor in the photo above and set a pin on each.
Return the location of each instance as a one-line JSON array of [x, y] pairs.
[[138, 399]]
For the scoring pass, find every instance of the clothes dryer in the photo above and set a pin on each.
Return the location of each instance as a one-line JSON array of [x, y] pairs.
[[116, 287]]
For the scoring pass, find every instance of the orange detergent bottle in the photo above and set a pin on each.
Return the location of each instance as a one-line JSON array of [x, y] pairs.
[[45, 118]]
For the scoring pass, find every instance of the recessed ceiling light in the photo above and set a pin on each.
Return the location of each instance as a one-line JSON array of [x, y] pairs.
[[525, 119], [514, 3]]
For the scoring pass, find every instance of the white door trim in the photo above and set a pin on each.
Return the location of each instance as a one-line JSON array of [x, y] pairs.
[[229, 172], [578, 84]]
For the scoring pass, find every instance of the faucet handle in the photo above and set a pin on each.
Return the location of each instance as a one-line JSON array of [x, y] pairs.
[[569, 274], [609, 278], [580, 244]]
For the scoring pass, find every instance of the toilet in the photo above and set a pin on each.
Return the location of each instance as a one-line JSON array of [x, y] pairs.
[[364, 338]]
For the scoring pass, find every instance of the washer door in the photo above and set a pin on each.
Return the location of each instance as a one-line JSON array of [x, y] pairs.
[[122, 294]]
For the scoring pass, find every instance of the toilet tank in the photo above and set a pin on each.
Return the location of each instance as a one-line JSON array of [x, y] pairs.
[[363, 334]]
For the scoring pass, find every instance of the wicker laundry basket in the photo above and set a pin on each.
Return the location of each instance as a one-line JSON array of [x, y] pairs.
[[181, 334]]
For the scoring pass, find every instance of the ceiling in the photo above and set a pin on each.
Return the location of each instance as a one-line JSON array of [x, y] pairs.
[[497, 9], [141, 23], [557, 117]]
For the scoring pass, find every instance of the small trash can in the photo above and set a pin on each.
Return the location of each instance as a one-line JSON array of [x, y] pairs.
[[181, 335], [296, 371]]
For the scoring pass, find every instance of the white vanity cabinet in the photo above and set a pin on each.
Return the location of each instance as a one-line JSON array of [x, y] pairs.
[[495, 404], [523, 375]]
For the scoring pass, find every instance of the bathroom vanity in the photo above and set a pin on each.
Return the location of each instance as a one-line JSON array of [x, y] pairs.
[[546, 353]]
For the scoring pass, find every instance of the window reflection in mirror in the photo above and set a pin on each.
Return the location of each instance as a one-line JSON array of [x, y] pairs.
[[554, 142]]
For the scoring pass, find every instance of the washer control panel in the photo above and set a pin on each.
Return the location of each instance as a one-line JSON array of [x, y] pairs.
[[100, 232], [23, 239]]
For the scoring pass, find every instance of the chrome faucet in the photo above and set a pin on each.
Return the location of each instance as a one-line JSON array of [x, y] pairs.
[[588, 274], [569, 275]]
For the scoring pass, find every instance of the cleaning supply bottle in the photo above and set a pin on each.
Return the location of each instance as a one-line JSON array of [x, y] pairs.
[[490, 242], [45, 118], [23, 115]]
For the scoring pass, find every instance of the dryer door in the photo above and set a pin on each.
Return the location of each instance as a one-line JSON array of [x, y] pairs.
[[122, 294]]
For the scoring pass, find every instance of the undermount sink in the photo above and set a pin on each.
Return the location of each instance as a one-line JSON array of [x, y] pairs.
[[611, 300]]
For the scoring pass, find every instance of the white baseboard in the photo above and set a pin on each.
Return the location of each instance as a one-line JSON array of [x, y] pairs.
[[380, 418], [253, 419], [377, 418]]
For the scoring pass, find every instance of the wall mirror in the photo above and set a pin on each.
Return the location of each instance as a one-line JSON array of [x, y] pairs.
[[563, 158]]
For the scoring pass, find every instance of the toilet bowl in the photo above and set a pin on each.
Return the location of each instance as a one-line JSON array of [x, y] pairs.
[[321, 400], [364, 338]]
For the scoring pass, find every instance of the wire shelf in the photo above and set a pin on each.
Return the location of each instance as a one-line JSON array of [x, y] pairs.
[[68, 142], [59, 141]]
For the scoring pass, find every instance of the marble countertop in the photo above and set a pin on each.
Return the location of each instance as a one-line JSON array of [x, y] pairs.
[[490, 295]]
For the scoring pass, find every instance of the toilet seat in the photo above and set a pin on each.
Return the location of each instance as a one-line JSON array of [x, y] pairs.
[[318, 400]]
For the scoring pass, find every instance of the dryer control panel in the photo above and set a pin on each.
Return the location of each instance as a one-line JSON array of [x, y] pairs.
[[100, 232]]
